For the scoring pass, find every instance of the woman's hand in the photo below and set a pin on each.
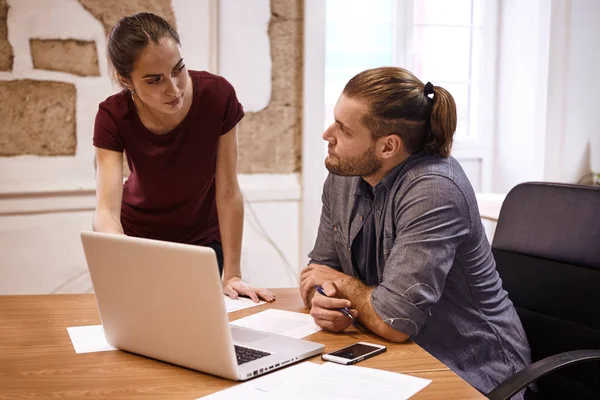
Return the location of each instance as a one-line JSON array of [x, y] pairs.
[[234, 286]]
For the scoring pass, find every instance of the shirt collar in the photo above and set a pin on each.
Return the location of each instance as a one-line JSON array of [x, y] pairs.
[[365, 189]]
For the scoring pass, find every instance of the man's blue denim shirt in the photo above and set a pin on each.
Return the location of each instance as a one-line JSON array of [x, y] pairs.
[[436, 275]]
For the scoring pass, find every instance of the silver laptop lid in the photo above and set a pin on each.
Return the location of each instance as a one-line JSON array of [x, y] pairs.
[[140, 287]]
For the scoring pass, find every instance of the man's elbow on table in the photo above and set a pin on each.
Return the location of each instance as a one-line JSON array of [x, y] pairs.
[[391, 335]]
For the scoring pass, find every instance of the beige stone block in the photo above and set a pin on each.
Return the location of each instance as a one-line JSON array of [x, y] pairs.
[[76, 57], [3, 9], [6, 56], [287, 9], [109, 12], [6, 51], [38, 117], [270, 140], [268, 145], [286, 54]]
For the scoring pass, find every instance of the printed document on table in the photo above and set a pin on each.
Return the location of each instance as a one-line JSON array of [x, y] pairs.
[[330, 381], [286, 323], [88, 339]]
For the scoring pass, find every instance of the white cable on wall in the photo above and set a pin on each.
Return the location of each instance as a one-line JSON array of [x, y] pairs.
[[292, 274]]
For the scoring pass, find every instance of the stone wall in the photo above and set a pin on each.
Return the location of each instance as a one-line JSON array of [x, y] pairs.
[[41, 120], [270, 140], [77, 57], [109, 12], [6, 53], [39, 117]]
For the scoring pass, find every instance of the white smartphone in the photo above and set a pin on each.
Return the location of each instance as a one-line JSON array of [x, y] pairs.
[[354, 353]]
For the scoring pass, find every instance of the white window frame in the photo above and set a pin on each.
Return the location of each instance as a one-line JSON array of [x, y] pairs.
[[477, 148], [481, 148]]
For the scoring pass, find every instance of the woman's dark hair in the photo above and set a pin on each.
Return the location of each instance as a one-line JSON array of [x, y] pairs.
[[399, 103], [133, 34]]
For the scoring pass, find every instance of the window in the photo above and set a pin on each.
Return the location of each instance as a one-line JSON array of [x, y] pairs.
[[358, 35], [445, 47], [438, 40]]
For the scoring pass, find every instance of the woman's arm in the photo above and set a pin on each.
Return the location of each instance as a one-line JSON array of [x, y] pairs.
[[230, 209], [230, 205], [109, 191]]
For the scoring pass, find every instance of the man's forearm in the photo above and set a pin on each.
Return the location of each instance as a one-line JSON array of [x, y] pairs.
[[231, 221], [359, 295]]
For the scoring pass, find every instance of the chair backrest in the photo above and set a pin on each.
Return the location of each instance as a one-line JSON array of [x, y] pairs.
[[547, 251]]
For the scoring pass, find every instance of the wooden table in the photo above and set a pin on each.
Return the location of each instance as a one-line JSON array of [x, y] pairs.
[[37, 360]]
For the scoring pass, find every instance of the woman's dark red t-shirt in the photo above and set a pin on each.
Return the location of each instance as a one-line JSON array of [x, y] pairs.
[[170, 193]]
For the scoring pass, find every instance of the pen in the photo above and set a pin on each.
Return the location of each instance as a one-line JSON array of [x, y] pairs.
[[344, 310]]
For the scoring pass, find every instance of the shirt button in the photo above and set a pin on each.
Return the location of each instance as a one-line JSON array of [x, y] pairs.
[[335, 228], [361, 218], [348, 248]]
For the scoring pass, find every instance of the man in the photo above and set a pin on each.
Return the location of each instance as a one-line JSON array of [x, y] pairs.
[[401, 243]]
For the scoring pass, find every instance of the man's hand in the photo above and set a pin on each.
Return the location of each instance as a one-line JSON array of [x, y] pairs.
[[325, 309], [316, 274], [234, 286]]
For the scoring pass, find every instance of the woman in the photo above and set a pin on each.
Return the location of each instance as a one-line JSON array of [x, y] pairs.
[[178, 131]]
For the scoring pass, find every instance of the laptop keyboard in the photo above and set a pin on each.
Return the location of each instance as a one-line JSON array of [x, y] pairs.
[[245, 354]]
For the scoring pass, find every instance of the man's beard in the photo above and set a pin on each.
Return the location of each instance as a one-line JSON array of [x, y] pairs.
[[365, 165]]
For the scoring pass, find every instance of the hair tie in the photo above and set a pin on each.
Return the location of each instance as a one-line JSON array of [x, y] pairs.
[[428, 89]]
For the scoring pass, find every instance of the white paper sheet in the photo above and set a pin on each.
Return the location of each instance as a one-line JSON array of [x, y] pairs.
[[239, 304], [88, 339], [275, 385], [366, 383], [326, 382], [286, 323]]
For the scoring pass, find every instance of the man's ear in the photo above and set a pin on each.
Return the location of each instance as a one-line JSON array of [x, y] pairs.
[[390, 146]]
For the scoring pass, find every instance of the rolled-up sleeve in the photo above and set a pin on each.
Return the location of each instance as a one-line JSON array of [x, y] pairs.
[[324, 251], [432, 220]]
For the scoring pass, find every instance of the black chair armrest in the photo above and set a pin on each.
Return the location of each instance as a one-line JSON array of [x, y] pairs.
[[535, 371]]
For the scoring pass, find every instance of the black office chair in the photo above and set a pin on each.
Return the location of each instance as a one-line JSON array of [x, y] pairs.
[[547, 251]]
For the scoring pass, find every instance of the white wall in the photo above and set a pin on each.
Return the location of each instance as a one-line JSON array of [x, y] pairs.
[[244, 56], [522, 75], [46, 201], [41, 252], [582, 120], [547, 84], [270, 248], [60, 19]]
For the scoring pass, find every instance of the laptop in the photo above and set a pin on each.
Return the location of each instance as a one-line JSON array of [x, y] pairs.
[[165, 301]]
